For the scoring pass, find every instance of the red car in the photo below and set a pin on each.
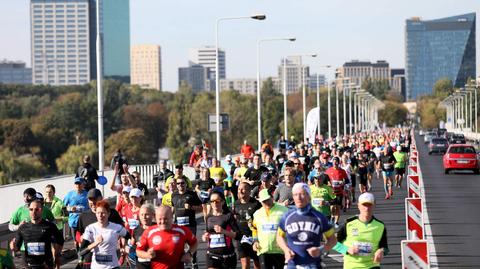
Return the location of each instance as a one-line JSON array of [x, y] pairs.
[[460, 157]]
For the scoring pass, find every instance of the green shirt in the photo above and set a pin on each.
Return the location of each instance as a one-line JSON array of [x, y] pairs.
[[369, 237], [400, 159], [56, 206], [265, 226], [322, 193], [23, 214]]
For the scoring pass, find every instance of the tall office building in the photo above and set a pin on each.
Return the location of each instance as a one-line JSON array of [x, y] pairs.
[[357, 71], [194, 76], [439, 48], [397, 82], [312, 81], [295, 71], [15, 73], [206, 57], [63, 36], [146, 66]]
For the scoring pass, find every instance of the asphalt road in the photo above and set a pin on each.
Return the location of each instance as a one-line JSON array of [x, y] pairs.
[[453, 203]]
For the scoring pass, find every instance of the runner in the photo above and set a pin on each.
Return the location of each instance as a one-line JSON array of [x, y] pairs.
[[301, 231], [55, 205], [243, 209], [264, 231], [163, 244], [76, 202], [22, 214], [338, 178], [222, 229], [363, 238], [322, 194], [147, 214], [387, 162], [38, 236], [204, 188], [283, 193], [400, 164]]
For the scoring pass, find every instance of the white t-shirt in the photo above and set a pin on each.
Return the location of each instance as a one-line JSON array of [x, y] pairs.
[[105, 254]]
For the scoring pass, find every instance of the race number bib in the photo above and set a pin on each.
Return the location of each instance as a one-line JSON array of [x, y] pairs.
[[337, 184], [204, 194], [270, 227], [217, 241], [183, 221], [317, 201], [133, 223], [364, 248], [36, 248], [103, 258], [247, 240]]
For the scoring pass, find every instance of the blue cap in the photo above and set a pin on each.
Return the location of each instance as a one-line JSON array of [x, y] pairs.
[[79, 180]]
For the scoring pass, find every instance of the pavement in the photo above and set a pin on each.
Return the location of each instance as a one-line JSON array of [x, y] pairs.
[[453, 203]]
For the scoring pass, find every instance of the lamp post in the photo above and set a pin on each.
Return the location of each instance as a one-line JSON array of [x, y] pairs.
[[318, 99], [101, 157], [345, 104], [304, 99], [285, 92], [329, 103], [259, 107], [217, 78]]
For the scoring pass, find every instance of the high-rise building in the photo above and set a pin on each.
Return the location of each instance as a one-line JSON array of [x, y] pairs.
[[439, 48], [206, 57], [242, 85], [63, 37], [295, 71], [146, 66], [15, 73], [357, 71], [397, 81], [194, 76], [312, 81]]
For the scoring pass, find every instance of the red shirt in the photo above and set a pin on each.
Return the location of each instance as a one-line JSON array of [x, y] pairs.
[[168, 245], [337, 179], [132, 218], [247, 151]]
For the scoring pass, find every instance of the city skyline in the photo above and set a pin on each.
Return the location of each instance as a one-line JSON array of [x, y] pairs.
[[378, 27]]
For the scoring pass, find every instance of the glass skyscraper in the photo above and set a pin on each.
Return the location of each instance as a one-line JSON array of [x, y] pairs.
[[439, 48]]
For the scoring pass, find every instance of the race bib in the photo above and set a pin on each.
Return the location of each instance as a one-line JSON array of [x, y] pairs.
[[387, 166], [102, 258], [133, 223], [216, 179], [183, 221], [217, 241], [309, 266], [317, 201], [36, 248], [270, 227], [364, 248], [281, 160], [337, 184], [204, 194], [247, 240]]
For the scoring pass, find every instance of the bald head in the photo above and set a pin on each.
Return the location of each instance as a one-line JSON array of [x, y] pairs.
[[164, 217]]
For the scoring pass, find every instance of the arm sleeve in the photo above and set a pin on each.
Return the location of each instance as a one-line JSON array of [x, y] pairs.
[[383, 242], [341, 236]]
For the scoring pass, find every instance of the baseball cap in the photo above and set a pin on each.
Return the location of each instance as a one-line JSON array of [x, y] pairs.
[[136, 193], [366, 198], [228, 158], [38, 197], [264, 195], [127, 189], [79, 180], [266, 176], [94, 194]]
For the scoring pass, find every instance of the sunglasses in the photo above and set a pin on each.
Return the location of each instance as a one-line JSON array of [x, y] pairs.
[[296, 163], [215, 201]]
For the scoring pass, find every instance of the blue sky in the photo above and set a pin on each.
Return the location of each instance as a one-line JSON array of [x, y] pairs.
[[337, 30]]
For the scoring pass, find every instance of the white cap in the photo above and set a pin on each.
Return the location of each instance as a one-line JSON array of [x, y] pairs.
[[399, 148], [136, 193], [228, 157], [127, 189], [366, 198]]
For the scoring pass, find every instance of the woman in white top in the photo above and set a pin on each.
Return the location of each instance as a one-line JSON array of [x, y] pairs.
[[102, 238]]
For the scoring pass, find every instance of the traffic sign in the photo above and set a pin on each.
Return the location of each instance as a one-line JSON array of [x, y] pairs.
[[414, 217], [413, 186], [224, 122], [415, 254]]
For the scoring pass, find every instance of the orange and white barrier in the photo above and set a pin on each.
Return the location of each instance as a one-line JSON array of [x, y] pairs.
[[415, 254], [413, 186]]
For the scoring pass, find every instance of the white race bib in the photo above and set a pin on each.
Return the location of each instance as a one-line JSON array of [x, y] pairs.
[[217, 241], [364, 248], [36, 248], [133, 223], [270, 227], [247, 240], [183, 221], [317, 202], [204, 194]]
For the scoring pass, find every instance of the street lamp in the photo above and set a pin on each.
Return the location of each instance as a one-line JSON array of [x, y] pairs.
[[285, 94], [259, 112], [217, 78], [318, 97], [304, 97], [101, 157]]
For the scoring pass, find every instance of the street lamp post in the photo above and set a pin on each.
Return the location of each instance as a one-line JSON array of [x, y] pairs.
[[304, 99], [217, 77], [259, 111], [337, 108], [101, 157], [329, 103], [318, 100], [345, 105]]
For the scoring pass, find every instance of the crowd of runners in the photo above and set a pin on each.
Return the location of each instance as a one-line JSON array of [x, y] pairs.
[[281, 207]]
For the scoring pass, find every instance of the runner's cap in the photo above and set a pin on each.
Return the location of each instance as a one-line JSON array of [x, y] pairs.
[[366, 198]]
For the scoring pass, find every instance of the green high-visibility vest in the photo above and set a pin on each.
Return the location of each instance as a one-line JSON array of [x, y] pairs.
[[266, 228]]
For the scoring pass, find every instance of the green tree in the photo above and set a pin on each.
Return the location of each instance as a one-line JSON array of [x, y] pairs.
[[393, 114], [15, 168], [443, 88], [73, 157], [134, 144]]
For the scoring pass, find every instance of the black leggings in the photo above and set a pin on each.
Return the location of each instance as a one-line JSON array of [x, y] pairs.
[[221, 262], [272, 261]]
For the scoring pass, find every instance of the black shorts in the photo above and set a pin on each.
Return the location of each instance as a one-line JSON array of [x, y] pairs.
[[353, 180], [272, 261], [221, 261], [363, 179], [337, 201], [400, 171], [245, 250]]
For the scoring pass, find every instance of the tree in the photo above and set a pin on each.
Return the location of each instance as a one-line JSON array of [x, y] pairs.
[[443, 88], [134, 144], [20, 138], [15, 168], [393, 114], [73, 157]]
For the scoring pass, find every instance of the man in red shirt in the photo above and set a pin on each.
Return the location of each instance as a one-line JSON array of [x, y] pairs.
[[247, 150], [163, 244], [338, 178]]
